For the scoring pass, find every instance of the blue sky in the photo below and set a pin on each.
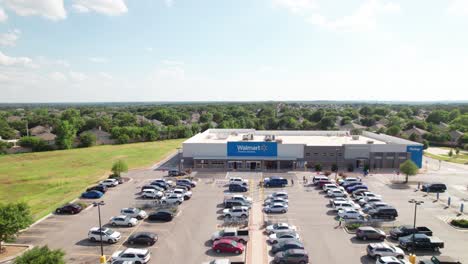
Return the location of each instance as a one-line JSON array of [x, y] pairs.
[[202, 50]]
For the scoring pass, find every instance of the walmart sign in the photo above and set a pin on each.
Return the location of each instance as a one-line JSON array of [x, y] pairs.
[[255, 149], [416, 153]]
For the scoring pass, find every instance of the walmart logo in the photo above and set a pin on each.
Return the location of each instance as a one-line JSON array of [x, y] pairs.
[[250, 148]]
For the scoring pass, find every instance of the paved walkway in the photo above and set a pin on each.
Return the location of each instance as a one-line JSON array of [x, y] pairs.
[[257, 249]]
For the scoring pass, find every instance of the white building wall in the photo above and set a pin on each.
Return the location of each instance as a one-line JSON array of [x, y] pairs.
[[214, 150], [291, 150]]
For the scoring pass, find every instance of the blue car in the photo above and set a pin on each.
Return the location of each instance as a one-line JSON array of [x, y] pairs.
[[356, 187], [92, 195]]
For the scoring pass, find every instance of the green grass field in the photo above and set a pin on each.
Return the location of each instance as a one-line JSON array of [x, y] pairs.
[[461, 158], [46, 180]]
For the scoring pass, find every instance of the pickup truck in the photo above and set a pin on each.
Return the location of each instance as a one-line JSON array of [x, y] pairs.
[[405, 230], [421, 241], [440, 260], [239, 235]]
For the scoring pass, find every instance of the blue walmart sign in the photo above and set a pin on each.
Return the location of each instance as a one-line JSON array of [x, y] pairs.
[[416, 154], [257, 149]]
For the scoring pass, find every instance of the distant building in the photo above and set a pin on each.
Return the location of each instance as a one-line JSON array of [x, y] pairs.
[[37, 130], [418, 131], [455, 135], [352, 126], [47, 137], [377, 127], [102, 137], [13, 118]]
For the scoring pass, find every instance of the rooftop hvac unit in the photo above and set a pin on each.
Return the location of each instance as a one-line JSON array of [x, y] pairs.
[[370, 142], [245, 137], [279, 140], [355, 137]]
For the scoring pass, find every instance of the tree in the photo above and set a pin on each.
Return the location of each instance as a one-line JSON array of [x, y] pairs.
[[318, 167], [41, 255], [457, 151], [327, 123], [426, 144], [119, 167], [87, 139], [366, 111], [409, 168], [13, 218], [6, 131], [66, 133], [414, 137], [4, 146], [450, 153], [393, 131], [35, 143], [438, 116]]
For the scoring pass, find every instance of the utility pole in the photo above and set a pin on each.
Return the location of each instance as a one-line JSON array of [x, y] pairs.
[[416, 203], [27, 128], [102, 258]]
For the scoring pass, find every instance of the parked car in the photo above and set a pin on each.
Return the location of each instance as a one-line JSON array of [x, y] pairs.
[[336, 193], [391, 260], [151, 194], [228, 246], [108, 235], [338, 205], [142, 238], [239, 235], [279, 227], [69, 209], [123, 220], [276, 208], [365, 194], [275, 200], [185, 194], [317, 178], [292, 256], [356, 187], [286, 244], [152, 187], [405, 230], [280, 236], [218, 261], [101, 188], [239, 197], [420, 241], [348, 180], [161, 215], [235, 203], [329, 186], [378, 250], [282, 194], [275, 181], [164, 186], [440, 260], [337, 199], [172, 198], [175, 173], [434, 187], [134, 212], [366, 200], [374, 205], [237, 180], [350, 183], [367, 232], [233, 187], [240, 212], [192, 184], [321, 183], [350, 213], [388, 212], [92, 195], [138, 256], [109, 182]]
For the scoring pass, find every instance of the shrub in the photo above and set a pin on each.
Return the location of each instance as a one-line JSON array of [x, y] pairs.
[[41, 255], [318, 167], [119, 167], [82, 204], [87, 139], [463, 223], [353, 226], [334, 167], [35, 143], [465, 147], [327, 173]]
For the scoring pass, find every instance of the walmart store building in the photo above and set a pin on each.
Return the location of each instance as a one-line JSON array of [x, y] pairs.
[[253, 150]]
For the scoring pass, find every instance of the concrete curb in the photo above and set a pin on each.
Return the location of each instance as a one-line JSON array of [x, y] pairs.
[[28, 247]]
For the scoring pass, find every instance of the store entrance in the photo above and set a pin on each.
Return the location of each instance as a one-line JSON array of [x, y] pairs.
[[253, 165]]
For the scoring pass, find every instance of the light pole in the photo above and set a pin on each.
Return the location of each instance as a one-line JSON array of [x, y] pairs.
[[102, 259], [416, 203], [336, 163]]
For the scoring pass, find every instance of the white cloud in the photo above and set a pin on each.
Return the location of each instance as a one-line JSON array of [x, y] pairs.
[[15, 61], [172, 62], [169, 70], [458, 7], [98, 59], [149, 49], [106, 75], [296, 6], [9, 38], [51, 9], [58, 76], [3, 15], [365, 18], [77, 76], [107, 7], [169, 3]]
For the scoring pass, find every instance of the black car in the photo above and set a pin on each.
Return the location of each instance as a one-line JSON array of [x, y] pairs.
[[69, 209], [434, 187], [174, 173], [161, 216], [183, 183], [287, 244], [383, 212], [237, 188], [101, 188], [142, 238]]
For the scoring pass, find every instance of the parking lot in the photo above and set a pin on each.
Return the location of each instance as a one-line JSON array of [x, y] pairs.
[[186, 238]]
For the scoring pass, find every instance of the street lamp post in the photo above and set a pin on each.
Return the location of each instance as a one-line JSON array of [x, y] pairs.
[[416, 203], [336, 163], [102, 259]]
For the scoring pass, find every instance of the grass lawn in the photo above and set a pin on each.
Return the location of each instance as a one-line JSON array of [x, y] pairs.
[[461, 158], [46, 180]]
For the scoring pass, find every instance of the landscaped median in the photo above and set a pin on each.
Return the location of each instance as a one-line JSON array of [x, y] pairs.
[[46, 180], [460, 223]]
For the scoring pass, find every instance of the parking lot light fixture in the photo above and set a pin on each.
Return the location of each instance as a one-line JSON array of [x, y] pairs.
[[416, 203], [102, 258]]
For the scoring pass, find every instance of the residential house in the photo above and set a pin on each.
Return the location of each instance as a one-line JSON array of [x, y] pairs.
[[102, 137], [455, 135], [352, 126], [418, 132], [47, 137], [37, 130]]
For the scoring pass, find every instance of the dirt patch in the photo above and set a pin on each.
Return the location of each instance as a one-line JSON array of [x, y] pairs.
[[9, 251]]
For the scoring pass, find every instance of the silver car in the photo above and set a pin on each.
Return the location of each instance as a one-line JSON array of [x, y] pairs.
[[276, 208]]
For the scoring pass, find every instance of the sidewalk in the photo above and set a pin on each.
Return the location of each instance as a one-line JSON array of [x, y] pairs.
[[257, 243]]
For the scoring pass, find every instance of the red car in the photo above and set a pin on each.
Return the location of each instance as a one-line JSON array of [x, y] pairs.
[[322, 183], [228, 246], [233, 238]]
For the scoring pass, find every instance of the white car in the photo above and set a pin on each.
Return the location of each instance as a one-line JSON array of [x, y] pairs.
[[349, 179], [350, 213], [151, 194], [378, 250], [108, 235], [164, 181], [186, 194], [136, 255], [276, 237], [364, 194], [240, 197], [391, 260], [109, 182], [123, 220], [276, 208], [276, 200], [236, 211], [237, 180], [337, 205], [367, 200], [338, 199], [329, 186], [282, 194], [336, 193], [280, 227], [134, 212], [172, 198]]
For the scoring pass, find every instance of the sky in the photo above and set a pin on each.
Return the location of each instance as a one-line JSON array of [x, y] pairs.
[[233, 50]]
